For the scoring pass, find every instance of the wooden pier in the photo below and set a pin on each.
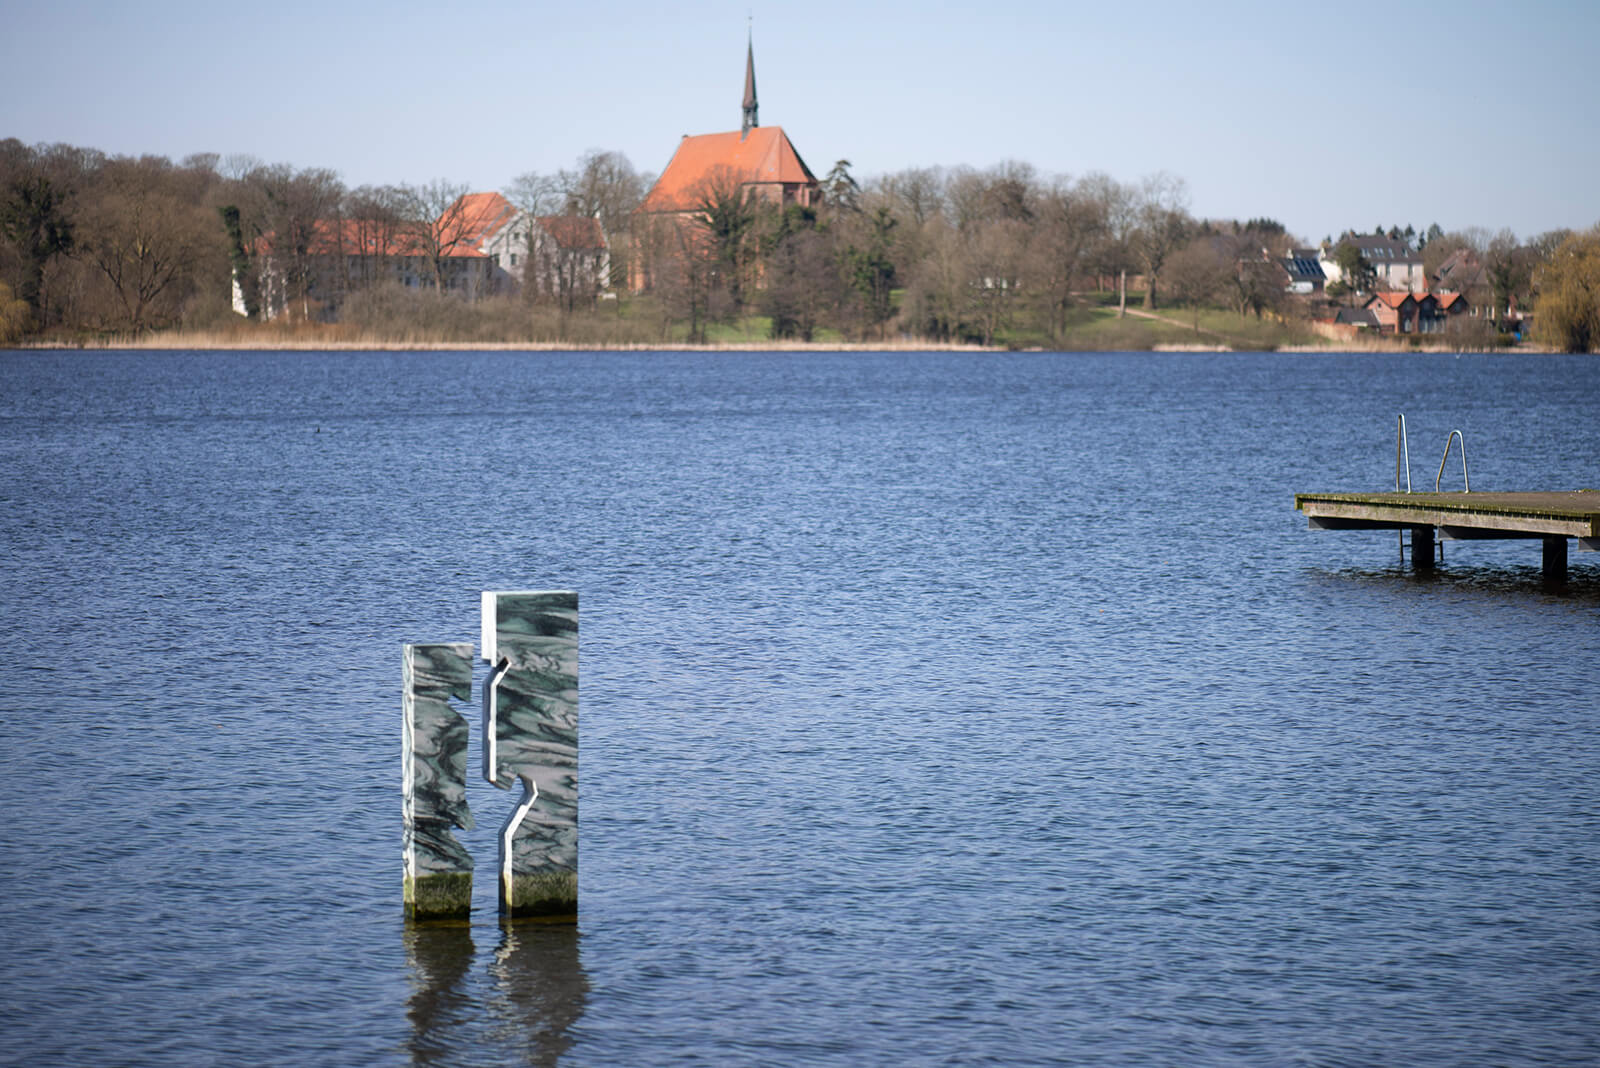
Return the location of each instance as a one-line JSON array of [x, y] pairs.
[[1551, 518]]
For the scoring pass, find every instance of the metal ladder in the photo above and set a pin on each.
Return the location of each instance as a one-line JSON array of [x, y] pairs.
[[1402, 461]]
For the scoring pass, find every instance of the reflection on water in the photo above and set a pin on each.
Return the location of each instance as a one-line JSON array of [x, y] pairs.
[[537, 990], [441, 1007], [540, 989]]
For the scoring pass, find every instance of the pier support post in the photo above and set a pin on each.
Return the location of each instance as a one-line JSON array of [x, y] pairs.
[[1555, 560], [1422, 548], [438, 869], [530, 734]]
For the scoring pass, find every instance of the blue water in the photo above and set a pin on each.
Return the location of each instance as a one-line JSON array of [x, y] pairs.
[[936, 709]]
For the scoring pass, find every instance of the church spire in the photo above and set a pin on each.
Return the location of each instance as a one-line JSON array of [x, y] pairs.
[[749, 88]]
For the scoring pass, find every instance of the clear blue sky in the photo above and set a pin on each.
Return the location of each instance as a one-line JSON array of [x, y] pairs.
[[1473, 113]]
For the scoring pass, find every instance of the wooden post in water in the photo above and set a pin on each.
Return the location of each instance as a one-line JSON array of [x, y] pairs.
[[1422, 548], [1555, 560], [530, 734], [438, 869]]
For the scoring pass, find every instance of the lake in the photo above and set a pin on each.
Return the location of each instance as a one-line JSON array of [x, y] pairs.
[[947, 709]]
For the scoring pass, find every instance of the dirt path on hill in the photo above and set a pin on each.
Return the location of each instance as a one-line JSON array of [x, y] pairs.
[[1231, 341]]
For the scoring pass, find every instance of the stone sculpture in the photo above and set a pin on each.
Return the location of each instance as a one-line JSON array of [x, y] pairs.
[[438, 869], [530, 736], [530, 731]]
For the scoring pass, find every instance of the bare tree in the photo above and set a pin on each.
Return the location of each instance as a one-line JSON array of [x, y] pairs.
[[803, 284], [1198, 271], [1070, 222], [996, 251], [936, 289], [435, 214], [605, 185], [150, 236], [288, 208], [1010, 192], [377, 231], [1162, 228], [679, 271], [1508, 267], [1112, 253], [916, 194], [536, 194]]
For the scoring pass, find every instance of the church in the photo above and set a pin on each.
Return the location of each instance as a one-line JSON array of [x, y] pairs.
[[761, 159]]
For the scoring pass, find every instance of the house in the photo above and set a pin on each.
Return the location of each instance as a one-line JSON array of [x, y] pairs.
[[315, 273], [1304, 271], [1344, 323], [571, 258], [1410, 313], [488, 223], [1356, 319], [1396, 266], [478, 246]]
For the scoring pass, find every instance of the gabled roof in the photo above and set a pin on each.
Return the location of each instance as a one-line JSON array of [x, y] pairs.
[[1380, 250], [1460, 270], [1393, 300], [1355, 317], [765, 155], [479, 216], [573, 231]]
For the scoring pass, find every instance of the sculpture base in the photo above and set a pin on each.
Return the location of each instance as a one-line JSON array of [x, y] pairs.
[[551, 894], [445, 896]]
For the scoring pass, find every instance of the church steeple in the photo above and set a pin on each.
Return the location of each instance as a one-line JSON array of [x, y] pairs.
[[749, 89]]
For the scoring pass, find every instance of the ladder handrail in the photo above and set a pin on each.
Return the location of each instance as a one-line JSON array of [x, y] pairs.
[[1454, 434], [1402, 448]]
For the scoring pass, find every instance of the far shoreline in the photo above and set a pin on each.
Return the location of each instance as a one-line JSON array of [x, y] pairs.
[[212, 343]]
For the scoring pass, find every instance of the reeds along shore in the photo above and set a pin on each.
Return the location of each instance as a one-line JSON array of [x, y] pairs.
[[285, 341], [322, 337]]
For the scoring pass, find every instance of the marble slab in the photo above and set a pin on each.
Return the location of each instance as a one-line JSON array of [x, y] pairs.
[[438, 869], [530, 732]]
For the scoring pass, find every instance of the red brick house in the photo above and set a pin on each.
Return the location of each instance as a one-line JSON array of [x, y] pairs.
[[1415, 313]]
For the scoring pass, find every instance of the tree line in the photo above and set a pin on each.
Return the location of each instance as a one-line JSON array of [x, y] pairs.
[[91, 243]]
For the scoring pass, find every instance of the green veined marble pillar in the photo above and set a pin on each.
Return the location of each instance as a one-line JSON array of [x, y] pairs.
[[530, 734], [438, 869]]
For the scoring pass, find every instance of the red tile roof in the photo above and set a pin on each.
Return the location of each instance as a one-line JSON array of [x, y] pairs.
[[479, 216], [364, 237], [765, 155], [574, 231]]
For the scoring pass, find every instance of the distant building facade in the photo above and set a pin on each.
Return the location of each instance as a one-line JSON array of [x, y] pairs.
[[313, 276], [1396, 266], [571, 258], [480, 246]]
